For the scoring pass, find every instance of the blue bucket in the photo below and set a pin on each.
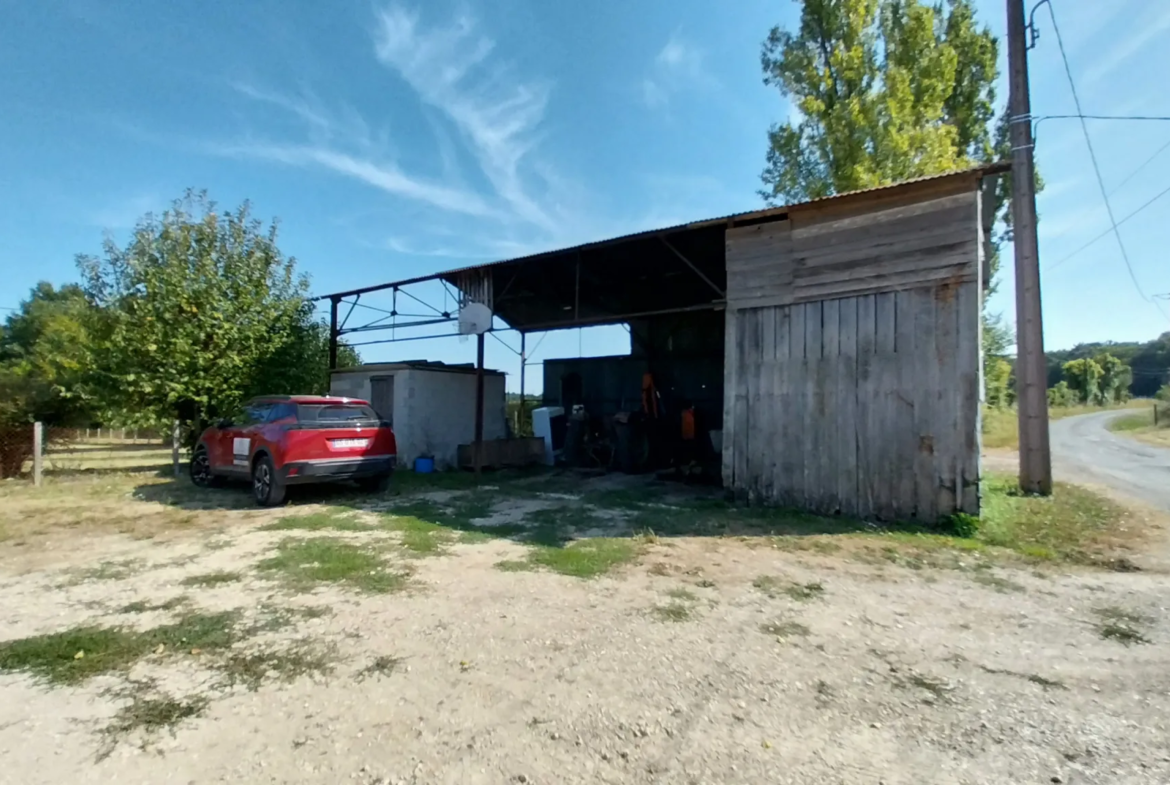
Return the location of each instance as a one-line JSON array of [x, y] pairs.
[[424, 465]]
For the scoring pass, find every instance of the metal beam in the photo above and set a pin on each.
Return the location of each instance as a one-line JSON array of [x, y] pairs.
[[615, 318], [691, 265], [372, 327], [333, 333]]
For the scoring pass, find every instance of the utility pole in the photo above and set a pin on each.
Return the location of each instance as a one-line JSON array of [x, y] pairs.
[[1031, 367]]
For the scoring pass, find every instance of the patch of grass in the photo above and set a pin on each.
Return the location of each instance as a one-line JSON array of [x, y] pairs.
[[383, 665], [555, 526], [212, 579], [142, 606], [1002, 585], [77, 654], [938, 687], [773, 587], [586, 558], [148, 712], [815, 544], [273, 618], [704, 583], [1074, 524], [803, 592], [328, 520], [304, 564], [108, 571], [785, 629], [419, 537], [671, 612], [428, 526], [683, 595], [252, 669], [1121, 625], [514, 565]]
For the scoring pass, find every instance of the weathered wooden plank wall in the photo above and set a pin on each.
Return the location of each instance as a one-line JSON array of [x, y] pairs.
[[852, 379]]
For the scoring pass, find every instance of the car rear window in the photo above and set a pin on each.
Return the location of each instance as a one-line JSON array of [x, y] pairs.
[[335, 413]]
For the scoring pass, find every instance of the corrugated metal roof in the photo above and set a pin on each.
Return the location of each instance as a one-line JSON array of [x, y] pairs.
[[750, 215], [985, 170]]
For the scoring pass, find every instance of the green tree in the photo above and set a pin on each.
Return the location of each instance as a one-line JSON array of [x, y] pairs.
[[301, 365], [1084, 377], [187, 316], [45, 358], [1115, 378], [885, 90], [1062, 395], [996, 382]]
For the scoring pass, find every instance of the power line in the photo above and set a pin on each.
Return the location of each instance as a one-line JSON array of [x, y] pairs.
[[1107, 232], [1079, 116], [1141, 168], [1096, 167]]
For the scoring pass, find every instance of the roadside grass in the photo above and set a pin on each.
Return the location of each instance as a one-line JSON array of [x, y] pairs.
[[1073, 525], [1000, 425], [1141, 426], [209, 580], [304, 564]]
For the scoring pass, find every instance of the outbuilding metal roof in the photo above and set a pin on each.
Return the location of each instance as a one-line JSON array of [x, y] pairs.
[[665, 270]]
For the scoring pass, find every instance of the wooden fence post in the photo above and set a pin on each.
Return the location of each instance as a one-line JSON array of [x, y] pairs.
[[38, 450], [175, 448]]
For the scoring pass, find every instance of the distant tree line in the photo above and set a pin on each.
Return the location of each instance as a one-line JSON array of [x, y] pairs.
[[197, 312], [1093, 374]]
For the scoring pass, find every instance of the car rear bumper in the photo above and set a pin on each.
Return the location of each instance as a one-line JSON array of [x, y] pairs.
[[329, 469]]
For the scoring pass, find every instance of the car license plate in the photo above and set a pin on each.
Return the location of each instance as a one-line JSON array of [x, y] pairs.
[[348, 444]]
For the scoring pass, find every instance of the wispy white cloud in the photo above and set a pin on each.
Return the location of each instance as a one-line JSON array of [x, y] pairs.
[[382, 175], [498, 113], [678, 65], [1148, 25]]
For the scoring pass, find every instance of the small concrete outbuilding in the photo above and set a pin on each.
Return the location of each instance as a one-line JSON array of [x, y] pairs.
[[431, 405]]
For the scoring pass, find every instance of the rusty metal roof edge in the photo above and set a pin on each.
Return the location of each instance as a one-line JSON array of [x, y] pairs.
[[983, 170]]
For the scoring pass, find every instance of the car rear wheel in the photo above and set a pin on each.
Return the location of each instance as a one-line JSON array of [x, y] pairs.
[[266, 485], [376, 484], [200, 468]]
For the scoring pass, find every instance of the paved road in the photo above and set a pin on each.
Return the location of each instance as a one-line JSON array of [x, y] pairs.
[[1084, 449]]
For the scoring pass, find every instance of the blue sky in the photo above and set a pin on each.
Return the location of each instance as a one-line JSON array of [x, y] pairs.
[[394, 140]]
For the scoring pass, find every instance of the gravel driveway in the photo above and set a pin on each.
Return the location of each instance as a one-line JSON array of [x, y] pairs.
[[709, 660]]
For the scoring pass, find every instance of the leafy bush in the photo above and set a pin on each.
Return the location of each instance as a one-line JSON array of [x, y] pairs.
[[960, 524]]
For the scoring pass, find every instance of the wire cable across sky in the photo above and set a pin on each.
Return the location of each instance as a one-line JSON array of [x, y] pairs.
[[1096, 167]]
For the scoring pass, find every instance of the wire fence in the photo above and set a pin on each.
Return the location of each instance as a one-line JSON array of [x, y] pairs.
[[85, 451]]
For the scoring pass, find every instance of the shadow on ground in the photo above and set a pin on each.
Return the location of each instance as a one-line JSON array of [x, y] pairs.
[[538, 506]]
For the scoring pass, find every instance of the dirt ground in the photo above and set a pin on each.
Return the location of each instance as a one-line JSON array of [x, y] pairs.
[[697, 659]]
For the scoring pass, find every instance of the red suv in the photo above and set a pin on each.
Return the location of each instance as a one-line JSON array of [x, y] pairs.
[[278, 441]]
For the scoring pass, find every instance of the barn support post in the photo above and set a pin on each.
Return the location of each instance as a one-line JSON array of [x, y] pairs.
[[478, 449], [524, 360], [333, 333]]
